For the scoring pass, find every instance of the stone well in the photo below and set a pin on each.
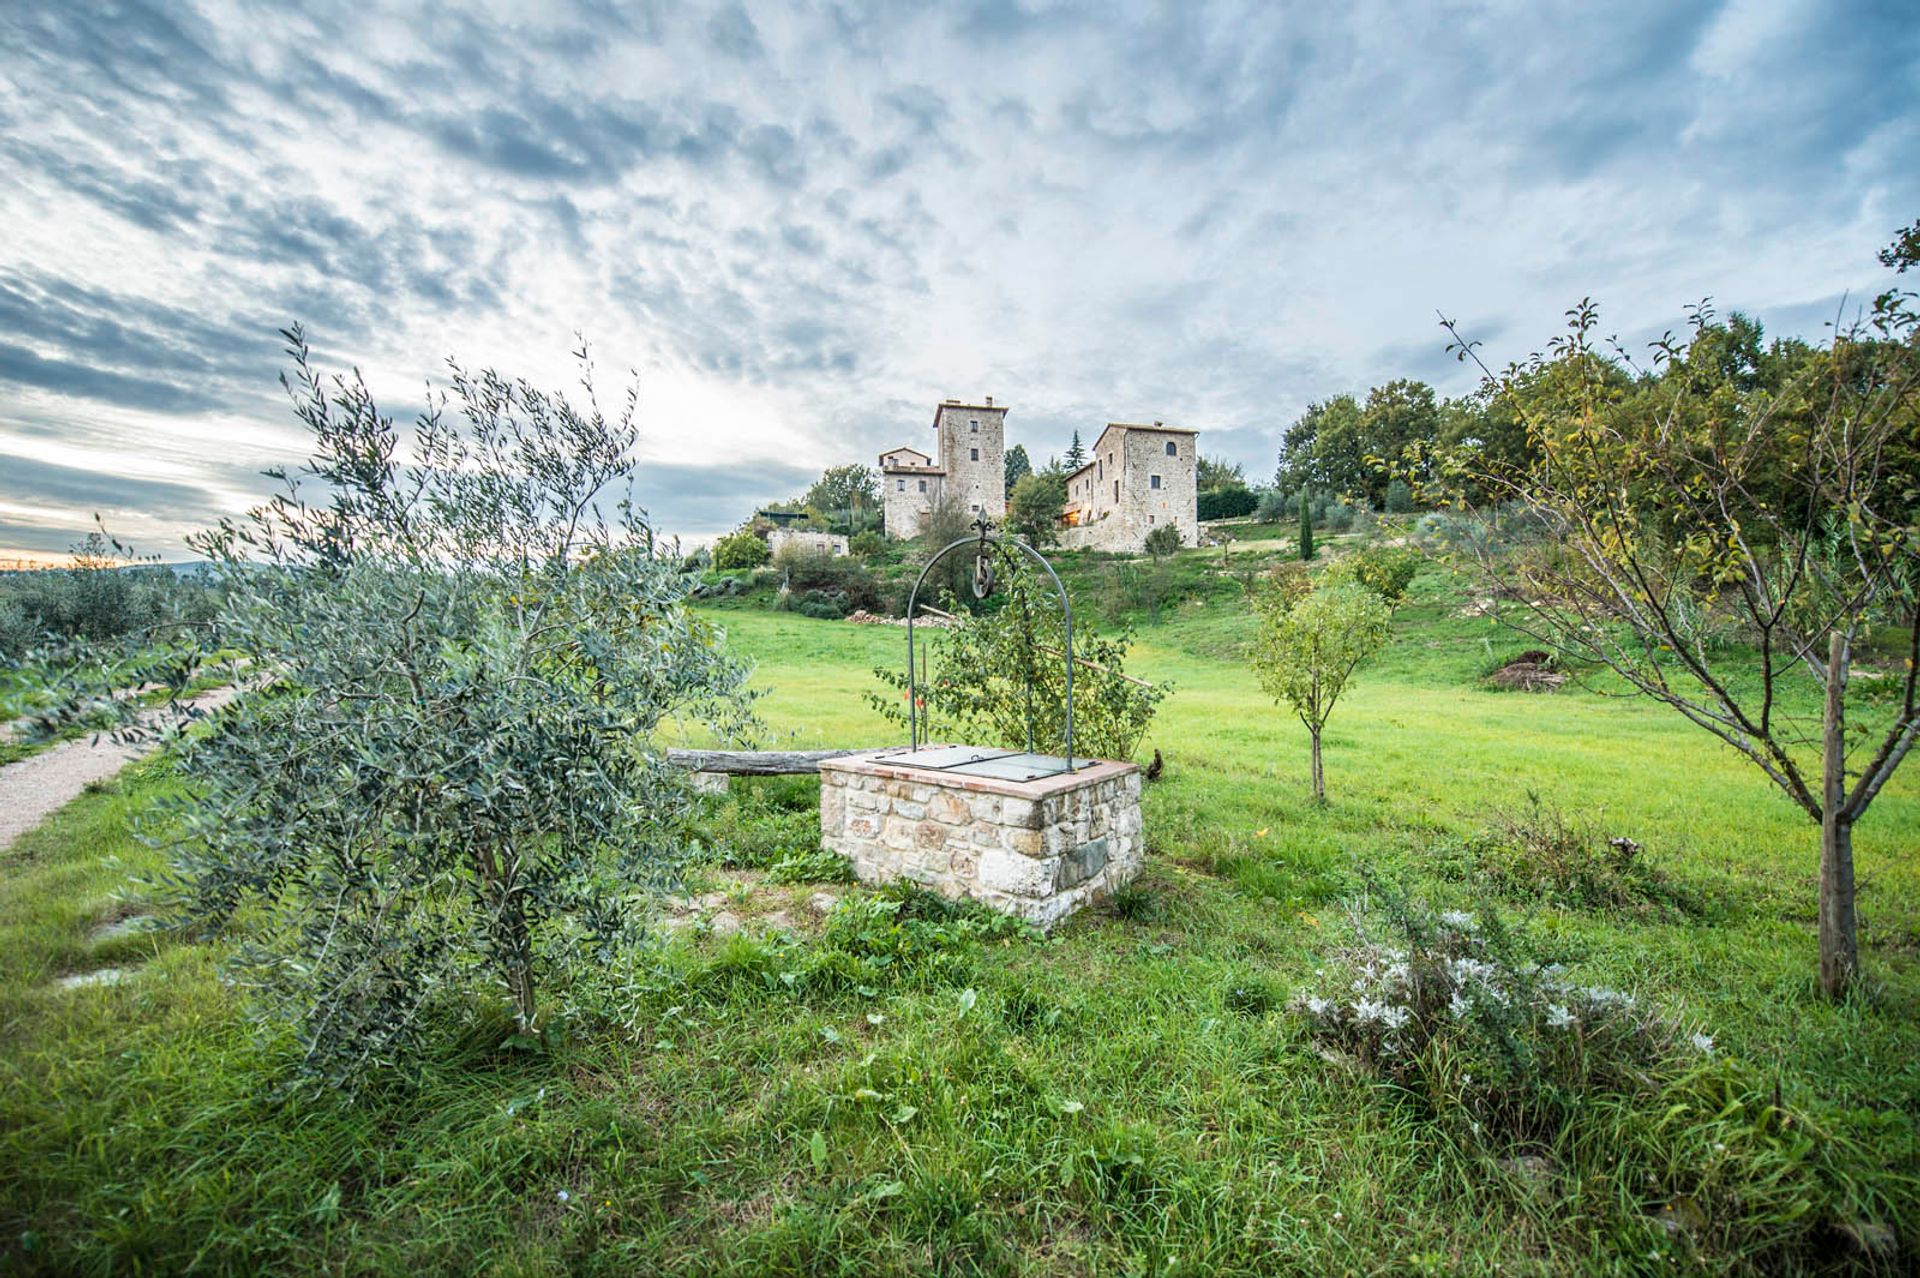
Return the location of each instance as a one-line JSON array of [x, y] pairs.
[[1039, 849]]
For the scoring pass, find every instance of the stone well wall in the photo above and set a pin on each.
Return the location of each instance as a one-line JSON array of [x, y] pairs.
[[1037, 849]]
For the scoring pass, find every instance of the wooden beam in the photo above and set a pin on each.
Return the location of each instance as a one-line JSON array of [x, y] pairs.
[[757, 763]]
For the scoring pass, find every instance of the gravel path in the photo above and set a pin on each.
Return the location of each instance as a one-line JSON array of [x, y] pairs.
[[35, 788]]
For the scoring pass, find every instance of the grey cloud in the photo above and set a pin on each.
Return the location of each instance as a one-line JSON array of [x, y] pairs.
[[732, 32], [699, 500], [24, 479]]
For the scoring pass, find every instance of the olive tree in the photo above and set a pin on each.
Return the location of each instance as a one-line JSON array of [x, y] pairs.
[[447, 774], [1725, 534], [1308, 646]]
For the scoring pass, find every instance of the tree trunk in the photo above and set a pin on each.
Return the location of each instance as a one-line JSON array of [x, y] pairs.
[[1319, 776], [1839, 938], [513, 944]]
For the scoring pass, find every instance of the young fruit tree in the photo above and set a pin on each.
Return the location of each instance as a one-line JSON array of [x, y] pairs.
[[447, 776], [1308, 647], [1731, 534]]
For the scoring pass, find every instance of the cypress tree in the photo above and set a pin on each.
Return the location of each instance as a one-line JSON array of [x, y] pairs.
[[1306, 527]]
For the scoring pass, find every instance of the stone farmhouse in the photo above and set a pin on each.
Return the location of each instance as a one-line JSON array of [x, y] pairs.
[[1136, 479]]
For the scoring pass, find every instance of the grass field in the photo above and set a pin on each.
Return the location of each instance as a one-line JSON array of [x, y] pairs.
[[1130, 1096]]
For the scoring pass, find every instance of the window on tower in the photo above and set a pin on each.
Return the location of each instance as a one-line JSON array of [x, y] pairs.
[[1153, 481], [1171, 450], [901, 485], [975, 452], [974, 425]]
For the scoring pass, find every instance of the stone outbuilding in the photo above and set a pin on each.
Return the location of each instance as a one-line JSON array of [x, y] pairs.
[[1137, 478], [968, 468], [806, 539]]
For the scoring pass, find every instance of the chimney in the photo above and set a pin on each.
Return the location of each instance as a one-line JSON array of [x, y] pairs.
[[989, 401], [1159, 423]]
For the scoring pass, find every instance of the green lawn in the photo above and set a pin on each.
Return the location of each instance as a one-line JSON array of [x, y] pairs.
[[953, 1099]]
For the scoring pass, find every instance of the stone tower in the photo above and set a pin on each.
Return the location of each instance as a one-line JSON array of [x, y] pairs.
[[968, 467], [973, 452]]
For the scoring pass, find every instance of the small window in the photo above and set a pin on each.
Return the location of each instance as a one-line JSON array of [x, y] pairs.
[[1116, 490], [1171, 450], [976, 454], [974, 425], [975, 508], [902, 485], [923, 485], [1149, 519], [1153, 481]]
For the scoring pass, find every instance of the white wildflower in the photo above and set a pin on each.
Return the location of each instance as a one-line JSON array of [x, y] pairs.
[[1458, 1006], [1395, 1017], [1703, 1043], [1559, 1017], [1459, 921], [1366, 1012]]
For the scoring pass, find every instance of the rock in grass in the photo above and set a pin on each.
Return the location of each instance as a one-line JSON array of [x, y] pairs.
[[104, 976]]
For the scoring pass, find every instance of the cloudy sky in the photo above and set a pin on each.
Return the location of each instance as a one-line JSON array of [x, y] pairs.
[[802, 225]]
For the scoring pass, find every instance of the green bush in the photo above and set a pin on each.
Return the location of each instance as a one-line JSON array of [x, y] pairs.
[[1163, 541], [868, 544], [1272, 507], [1385, 570], [1453, 1007], [1399, 497], [824, 605], [839, 579], [1503, 1051], [1226, 503], [740, 550]]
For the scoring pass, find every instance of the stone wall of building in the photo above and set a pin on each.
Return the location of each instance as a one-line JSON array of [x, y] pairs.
[[1176, 500], [906, 496], [1039, 850], [806, 539], [1113, 500]]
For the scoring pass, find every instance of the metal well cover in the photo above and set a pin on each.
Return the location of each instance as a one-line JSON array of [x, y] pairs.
[[978, 761]]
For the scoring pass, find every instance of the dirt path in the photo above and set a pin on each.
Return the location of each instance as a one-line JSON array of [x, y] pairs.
[[37, 787]]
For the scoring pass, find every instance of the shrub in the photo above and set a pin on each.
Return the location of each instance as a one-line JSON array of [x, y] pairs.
[[1453, 1008], [1399, 497], [452, 780], [740, 550], [1272, 507], [1163, 540], [1226, 503], [1033, 509], [1458, 1013], [824, 605], [1385, 570], [867, 544], [847, 580]]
